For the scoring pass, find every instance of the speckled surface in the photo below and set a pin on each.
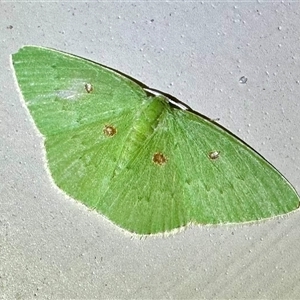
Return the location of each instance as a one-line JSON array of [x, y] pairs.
[[51, 247]]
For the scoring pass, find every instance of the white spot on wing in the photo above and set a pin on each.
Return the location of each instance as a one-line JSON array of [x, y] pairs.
[[73, 92]]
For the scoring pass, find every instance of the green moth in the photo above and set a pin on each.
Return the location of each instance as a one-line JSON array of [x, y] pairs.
[[133, 155]]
